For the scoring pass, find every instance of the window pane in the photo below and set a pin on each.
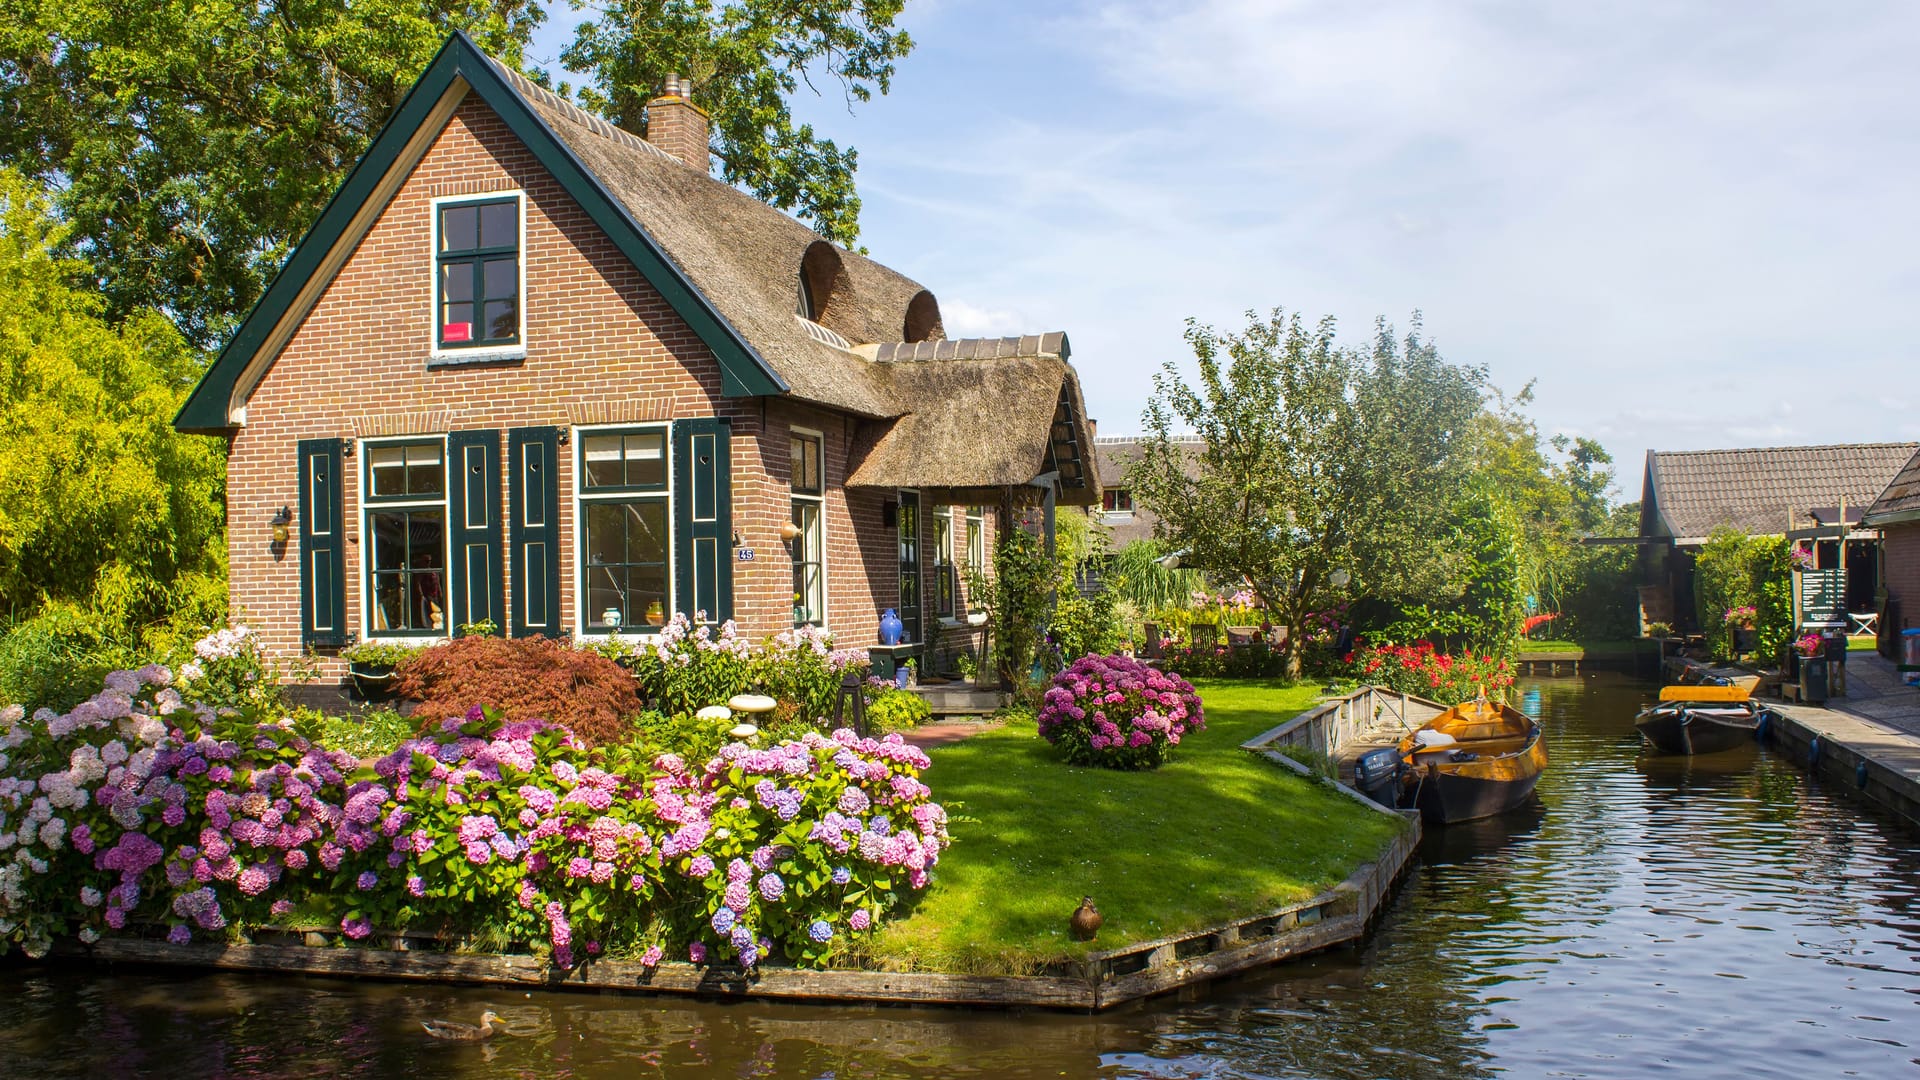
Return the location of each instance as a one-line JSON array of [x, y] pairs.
[[646, 459], [388, 464], [426, 532], [499, 225], [456, 322], [456, 281], [503, 320], [606, 536], [603, 460], [458, 228], [424, 476], [501, 277], [809, 591], [646, 532]]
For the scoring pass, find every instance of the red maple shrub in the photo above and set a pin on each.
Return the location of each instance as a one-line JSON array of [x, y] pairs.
[[526, 679]]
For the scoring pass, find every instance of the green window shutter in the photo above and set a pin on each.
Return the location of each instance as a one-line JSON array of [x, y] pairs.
[[323, 583], [533, 528], [473, 505], [703, 519]]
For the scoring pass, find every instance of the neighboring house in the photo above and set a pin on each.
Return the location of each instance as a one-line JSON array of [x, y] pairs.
[[1126, 519], [1896, 514], [531, 369], [1769, 491]]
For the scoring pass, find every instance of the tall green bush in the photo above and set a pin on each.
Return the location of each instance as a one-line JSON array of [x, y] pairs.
[[1733, 570]]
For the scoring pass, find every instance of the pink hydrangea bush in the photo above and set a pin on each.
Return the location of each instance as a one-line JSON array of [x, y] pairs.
[[139, 809], [1117, 712]]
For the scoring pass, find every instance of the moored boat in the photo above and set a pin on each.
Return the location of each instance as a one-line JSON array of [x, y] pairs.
[[1700, 719], [1475, 760]]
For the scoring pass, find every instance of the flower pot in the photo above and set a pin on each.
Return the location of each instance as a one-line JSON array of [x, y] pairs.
[[1745, 640], [373, 682]]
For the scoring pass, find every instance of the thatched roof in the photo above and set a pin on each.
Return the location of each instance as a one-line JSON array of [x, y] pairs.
[[982, 423], [1900, 501], [1764, 491]]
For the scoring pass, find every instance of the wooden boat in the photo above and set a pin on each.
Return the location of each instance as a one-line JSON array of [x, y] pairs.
[[1700, 719], [1475, 760]]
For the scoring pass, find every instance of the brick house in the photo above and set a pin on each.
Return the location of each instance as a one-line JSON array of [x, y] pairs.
[[1896, 513], [531, 369]]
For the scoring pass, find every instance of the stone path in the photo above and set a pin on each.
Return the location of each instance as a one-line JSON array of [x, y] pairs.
[[1875, 730], [949, 732], [1875, 692]]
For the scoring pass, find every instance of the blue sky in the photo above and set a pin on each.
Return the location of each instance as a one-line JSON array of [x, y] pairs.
[[1694, 225]]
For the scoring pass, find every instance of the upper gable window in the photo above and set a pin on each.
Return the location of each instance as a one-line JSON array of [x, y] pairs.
[[803, 304], [477, 272]]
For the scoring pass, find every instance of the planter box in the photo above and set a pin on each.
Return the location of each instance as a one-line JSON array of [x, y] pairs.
[[373, 682]]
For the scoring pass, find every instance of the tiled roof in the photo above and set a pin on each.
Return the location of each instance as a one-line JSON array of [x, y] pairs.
[[1764, 491], [1901, 499]]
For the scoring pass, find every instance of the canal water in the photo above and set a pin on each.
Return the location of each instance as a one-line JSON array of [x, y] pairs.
[[1724, 917]]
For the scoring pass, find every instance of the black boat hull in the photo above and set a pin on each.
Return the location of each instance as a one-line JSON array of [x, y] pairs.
[[1682, 731], [1444, 797]]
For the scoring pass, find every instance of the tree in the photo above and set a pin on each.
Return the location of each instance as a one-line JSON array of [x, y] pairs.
[[103, 506], [746, 59], [193, 143], [1323, 471]]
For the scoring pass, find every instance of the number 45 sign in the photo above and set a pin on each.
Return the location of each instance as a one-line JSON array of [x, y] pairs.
[[746, 554]]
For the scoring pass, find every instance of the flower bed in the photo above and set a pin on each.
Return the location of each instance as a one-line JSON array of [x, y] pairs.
[[1418, 669], [141, 807], [1116, 712]]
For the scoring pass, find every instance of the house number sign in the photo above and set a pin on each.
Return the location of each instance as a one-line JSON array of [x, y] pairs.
[[746, 554]]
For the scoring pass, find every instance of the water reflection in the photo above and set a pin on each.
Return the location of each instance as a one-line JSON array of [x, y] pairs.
[[1719, 916]]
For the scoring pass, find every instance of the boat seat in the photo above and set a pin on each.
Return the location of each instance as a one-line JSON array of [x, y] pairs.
[[1427, 739]]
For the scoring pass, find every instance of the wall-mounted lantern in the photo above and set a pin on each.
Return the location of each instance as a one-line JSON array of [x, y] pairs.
[[282, 519]]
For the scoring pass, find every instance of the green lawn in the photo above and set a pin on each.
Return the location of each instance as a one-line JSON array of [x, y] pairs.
[[1215, 834], [1860, 644], [1595, 649]]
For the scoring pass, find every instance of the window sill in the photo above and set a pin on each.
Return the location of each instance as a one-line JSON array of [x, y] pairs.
[[971, 621], [475, 357]]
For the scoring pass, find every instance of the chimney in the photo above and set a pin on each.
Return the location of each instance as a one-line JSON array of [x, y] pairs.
[[678, 126]]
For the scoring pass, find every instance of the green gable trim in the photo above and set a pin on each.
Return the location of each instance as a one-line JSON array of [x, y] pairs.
[[744, 373]]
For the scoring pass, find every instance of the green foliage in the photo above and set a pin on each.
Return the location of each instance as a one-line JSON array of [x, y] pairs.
[[746, 60], [194, 143], [1135, 573], [57, 659], [1734, 570], [369, 735], [379, 653], [102, 505], [1316, 458], [1015, 599], [894, 709], [1596, 585], [1487, 539]]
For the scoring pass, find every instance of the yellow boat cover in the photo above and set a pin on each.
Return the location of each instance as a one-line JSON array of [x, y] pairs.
[[1704, 693]]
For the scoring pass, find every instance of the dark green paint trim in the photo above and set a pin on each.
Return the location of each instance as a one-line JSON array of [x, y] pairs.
[[476, 576], [323, 583], [533, 531], [743, 371], [703, 518]]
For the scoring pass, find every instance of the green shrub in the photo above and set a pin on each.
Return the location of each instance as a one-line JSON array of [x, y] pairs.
[[372, 735], [894, 709], [58, 658], [1736, 570]]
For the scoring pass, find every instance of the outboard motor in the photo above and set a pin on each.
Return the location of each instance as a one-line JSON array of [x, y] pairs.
[[1377, 775]]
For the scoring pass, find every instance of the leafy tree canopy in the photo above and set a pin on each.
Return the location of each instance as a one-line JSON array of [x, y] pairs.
[[1324, 470], [192, 143], [746, 59], [103, 507]]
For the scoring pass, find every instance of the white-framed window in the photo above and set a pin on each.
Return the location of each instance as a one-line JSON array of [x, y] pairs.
[[624, 528], [946, 576], [479, 276], [977, 539], [807, 466], [404, 503], [1117, 501]]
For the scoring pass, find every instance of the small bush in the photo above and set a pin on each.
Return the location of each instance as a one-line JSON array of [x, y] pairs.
[[372, 735], [1116, 712], [894, 709], [527, 679]]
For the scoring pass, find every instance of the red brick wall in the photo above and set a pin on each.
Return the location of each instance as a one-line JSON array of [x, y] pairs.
[[1900, 555], [601, 347]]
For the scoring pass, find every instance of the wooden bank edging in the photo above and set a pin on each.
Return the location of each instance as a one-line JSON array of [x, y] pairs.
[[1104, 979]]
